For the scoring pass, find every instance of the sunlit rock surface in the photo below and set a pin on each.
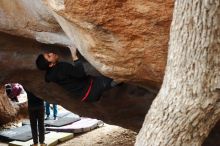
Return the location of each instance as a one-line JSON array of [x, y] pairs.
[[126, 40], [31, 19], [123, 39]]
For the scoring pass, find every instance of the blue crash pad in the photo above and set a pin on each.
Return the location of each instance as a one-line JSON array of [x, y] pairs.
[[65, 120], [21, 133]]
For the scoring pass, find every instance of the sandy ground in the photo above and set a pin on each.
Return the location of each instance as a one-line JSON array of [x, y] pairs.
[[108, 135]]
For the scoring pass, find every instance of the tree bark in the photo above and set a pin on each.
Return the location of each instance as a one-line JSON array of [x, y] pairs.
[[187, 106]]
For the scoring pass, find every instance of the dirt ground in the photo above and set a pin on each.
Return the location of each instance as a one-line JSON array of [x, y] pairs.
[[108, 135]]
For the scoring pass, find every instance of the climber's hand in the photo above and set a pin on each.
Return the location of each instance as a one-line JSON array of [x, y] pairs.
[[73, 51]]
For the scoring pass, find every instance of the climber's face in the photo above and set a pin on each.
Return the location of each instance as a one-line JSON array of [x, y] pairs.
[[52, 58]]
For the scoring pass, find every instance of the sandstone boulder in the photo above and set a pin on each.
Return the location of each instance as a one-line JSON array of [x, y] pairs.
[[31, 19], [117, 106], [125, 39]]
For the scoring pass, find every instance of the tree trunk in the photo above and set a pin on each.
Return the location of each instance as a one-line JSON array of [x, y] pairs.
[[187, 106], [7, 110]]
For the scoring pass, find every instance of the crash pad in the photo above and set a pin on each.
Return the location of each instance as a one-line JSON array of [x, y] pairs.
[[51, 139], [22, 133], [64, 118], [68, 119], [83, 125]]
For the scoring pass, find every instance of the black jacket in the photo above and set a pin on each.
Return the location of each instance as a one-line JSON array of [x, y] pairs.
[[71, 77], [34, 102]]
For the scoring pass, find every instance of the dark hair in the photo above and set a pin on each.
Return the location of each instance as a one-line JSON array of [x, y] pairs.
[[42, 63]]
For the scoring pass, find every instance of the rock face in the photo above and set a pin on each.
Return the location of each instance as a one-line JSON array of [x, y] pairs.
[[126, 40], [123, 39], [31, 19], [7, 110], [117, 106]]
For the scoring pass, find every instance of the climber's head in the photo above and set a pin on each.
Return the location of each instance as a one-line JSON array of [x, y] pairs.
[[46, 60]]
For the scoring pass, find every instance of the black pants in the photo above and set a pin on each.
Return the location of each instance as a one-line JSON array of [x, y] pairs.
[[100, 84], [36, 116]]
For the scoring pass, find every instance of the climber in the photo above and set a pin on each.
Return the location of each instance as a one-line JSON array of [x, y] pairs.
[[73, 77]]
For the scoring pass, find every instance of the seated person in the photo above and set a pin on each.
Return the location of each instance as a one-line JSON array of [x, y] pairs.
[[73, 77]]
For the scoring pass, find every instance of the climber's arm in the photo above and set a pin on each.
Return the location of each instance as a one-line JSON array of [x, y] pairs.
[[73, 51]]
